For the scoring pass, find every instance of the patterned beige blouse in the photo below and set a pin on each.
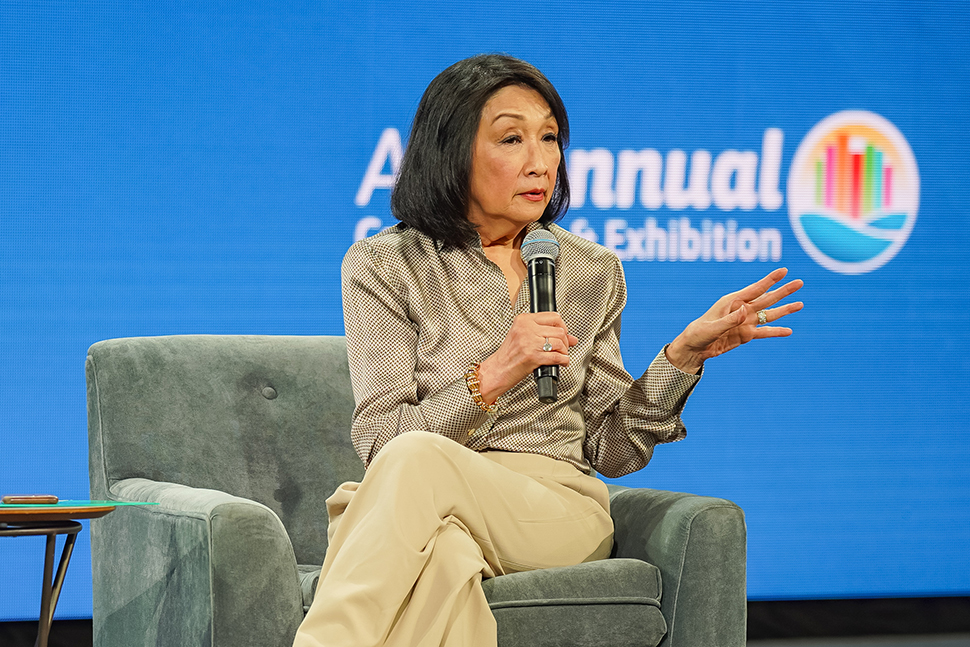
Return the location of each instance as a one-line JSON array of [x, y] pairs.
[[416, 316]]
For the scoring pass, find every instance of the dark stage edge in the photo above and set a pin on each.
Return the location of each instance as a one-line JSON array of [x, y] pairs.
[[64, 633], [845, 618], [767, 620]]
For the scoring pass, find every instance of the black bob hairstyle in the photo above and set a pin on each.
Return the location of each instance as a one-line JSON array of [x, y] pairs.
[[431, 192]]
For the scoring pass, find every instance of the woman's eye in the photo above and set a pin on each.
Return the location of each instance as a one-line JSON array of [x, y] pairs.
[[551, 137], [512, 139]]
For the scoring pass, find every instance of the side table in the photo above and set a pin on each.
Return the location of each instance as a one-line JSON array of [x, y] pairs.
[[50, 520]]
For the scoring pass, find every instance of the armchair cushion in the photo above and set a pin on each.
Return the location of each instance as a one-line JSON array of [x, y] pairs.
[[614, 601], [575, 605]]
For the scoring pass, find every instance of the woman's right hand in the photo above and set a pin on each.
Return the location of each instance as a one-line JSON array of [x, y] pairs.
[[521, 352]]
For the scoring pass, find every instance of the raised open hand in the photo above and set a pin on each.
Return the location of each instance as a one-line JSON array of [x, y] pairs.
[[734, 320]]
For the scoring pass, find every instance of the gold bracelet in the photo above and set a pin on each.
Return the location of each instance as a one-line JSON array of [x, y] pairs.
[[474, 387]]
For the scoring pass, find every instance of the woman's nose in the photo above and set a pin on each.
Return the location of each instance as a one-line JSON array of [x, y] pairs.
[[536, 164]]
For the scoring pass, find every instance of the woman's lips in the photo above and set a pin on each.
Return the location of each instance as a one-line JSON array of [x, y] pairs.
[[537, 195]]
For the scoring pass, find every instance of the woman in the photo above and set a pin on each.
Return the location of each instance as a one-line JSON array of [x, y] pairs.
[[468, 475]]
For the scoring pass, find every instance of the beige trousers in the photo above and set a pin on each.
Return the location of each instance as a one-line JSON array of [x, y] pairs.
[[409, 545]]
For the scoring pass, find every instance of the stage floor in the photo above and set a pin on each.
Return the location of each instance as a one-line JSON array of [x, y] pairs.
[[946, 640]]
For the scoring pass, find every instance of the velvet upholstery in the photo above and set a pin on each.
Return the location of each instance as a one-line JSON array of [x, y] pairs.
[[240, 439], [579, 605], [699, 545]]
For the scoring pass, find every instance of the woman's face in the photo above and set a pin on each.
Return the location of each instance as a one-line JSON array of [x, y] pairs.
[[515, 158]]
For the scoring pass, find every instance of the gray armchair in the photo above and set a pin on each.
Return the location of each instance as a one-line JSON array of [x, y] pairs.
[[240, 439]]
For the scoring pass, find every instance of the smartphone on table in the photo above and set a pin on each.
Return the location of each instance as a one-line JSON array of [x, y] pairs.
[[30, 499]]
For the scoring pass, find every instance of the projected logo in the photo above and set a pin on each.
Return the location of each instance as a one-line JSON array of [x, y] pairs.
[[853, 192]]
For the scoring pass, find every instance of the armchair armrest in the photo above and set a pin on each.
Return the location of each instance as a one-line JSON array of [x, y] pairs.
[[699, 545], [201, 568]]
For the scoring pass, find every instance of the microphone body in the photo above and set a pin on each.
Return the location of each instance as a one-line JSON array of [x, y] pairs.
[[540, 250]]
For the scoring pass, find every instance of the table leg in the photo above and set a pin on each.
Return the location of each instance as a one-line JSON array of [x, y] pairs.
[[52, 584], [51, 593], [66, 553], [44, 628]]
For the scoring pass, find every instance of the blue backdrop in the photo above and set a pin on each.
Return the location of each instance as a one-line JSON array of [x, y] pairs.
[[176, 169]]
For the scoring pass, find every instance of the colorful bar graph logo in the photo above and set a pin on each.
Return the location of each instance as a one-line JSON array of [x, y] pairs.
[[853, 192], [853, 177]]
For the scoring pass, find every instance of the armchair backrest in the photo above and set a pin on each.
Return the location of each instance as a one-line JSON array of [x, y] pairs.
[[261, 417]]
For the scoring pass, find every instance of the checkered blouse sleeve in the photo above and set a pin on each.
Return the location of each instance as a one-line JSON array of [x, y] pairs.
[[381, 347], [626, 418]]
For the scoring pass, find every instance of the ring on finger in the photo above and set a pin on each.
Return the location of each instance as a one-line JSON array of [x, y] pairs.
[[547, 347], [762, 317]]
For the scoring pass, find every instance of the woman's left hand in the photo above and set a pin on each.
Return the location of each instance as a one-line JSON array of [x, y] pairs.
[[733, 320]]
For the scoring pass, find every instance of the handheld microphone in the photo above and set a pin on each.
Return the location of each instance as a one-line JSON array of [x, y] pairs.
[[540, 250]]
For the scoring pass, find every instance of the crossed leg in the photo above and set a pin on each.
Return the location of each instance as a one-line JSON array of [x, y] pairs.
[[411, 543]]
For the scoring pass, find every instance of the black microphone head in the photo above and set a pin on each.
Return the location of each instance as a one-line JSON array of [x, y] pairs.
[[540, 244]]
